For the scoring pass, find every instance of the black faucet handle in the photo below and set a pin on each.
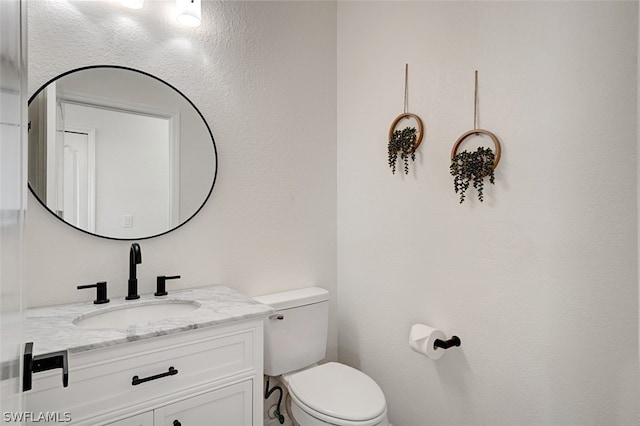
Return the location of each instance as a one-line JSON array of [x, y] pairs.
[[161, 288], [101, 291]]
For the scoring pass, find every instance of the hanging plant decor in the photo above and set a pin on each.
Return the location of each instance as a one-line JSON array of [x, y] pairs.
[[467, 167], [473, 167], [403, 142]]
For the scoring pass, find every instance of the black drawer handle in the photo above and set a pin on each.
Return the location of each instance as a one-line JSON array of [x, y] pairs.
[[136, 380], [176, 423]]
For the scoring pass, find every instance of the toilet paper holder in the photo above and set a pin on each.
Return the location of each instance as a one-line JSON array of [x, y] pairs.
[[429, 341], [446, 344]]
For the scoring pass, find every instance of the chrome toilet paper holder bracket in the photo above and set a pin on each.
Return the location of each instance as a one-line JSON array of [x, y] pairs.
[[446, 344]]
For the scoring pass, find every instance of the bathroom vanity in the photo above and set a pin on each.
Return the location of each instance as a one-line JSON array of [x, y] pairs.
[[203, 365]]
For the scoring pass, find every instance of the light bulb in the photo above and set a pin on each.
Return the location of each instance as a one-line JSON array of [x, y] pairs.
[[189, 12]]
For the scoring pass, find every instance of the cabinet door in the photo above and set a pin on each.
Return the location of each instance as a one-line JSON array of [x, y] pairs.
[[228, 406], [144, 419]]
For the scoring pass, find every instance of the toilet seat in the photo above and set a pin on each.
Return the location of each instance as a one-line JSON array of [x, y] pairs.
[[337, 394], [303, 417]]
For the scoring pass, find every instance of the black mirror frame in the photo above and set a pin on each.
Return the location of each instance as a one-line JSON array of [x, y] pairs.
[[215, 152]]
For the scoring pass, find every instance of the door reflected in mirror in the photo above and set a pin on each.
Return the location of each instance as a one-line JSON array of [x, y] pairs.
[[119, 153]]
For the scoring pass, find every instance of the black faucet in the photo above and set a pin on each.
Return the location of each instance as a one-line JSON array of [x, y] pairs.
[[135, 258]]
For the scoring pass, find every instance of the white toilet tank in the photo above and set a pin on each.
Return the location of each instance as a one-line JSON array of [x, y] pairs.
[[296, 336]]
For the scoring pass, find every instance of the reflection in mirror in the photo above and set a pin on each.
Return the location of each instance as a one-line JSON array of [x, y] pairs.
[[119, 153]]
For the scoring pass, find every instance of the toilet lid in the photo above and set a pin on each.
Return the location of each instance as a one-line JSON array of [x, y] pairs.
[[338, 391]]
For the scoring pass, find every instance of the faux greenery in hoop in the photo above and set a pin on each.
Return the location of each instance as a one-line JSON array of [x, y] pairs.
[[403, 142], [467, 167]]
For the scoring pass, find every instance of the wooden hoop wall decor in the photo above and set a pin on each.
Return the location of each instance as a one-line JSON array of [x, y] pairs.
[[404, 142], [494, 138], [471, 168], [476, 131], [420, 131]]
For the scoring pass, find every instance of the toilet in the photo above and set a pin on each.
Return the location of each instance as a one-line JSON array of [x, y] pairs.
[[295, 340]]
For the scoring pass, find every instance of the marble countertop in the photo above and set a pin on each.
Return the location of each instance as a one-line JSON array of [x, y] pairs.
[[52, 328]]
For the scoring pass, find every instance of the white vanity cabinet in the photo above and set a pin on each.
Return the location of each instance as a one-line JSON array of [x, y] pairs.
[[144, 419], [230, 405], [209, 376], [227, 406]]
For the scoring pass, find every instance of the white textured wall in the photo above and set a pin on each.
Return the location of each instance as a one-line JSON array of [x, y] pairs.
[[540, 281], [263, 75]]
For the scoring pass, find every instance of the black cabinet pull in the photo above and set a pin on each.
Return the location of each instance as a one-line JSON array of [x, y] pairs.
[[136, 380], [176, 423], [36, 364]]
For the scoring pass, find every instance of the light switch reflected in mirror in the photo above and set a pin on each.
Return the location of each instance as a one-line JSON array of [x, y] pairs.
[[119, 153]]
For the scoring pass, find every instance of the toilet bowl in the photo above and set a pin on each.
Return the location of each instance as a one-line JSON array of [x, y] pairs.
[[335, 394], [295, 339]]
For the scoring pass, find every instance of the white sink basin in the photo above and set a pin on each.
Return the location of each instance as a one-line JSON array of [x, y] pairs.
[[135, 314]]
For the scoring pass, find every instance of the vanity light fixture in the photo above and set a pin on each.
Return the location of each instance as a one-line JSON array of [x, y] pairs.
[[132, 4], [189, 12]]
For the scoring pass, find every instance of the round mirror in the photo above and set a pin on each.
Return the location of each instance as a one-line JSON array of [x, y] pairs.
[[119, 153]]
